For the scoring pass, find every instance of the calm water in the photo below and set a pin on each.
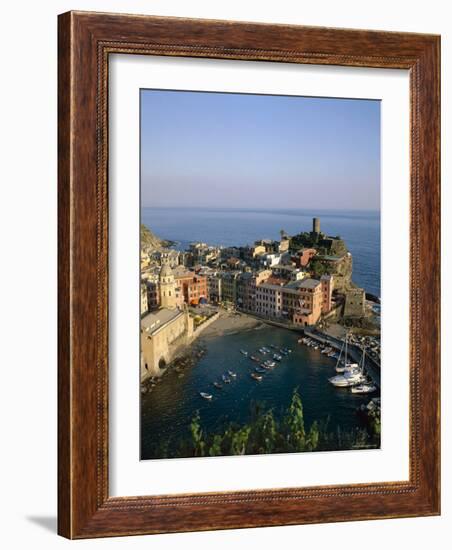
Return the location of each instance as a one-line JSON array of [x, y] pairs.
[[228, 227], [167, 411]]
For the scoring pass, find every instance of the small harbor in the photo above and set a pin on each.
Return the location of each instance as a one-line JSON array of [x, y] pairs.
[[235, 371]]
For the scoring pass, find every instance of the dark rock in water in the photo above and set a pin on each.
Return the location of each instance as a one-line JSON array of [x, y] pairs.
[[373, 298]]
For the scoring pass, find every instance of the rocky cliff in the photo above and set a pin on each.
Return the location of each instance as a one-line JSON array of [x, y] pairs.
[[150, 241], [342, 270]]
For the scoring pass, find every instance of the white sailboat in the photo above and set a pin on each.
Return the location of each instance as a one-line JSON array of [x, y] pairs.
[[353, 373], [343, 366]]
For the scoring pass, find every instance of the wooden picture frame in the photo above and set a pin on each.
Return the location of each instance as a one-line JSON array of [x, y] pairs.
[[86, 40]]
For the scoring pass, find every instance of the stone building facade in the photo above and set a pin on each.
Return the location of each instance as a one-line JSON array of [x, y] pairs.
[[162, 332], [355, 301]]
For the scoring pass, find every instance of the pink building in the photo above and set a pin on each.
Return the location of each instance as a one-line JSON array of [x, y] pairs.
[[311, 299]]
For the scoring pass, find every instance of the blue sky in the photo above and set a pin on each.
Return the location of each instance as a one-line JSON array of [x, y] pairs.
[[201, 149]]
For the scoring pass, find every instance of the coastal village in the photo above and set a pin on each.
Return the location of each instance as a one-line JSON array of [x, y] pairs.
[[301, 282]]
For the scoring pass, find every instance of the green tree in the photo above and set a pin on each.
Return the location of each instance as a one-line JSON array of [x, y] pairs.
[[239, 440], [318, 268], [313, 437], [264, 433], [215, 447], [294, 424], [197, 435]]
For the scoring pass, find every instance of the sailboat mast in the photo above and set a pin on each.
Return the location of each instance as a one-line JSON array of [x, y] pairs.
[[340, 355], [346, 352]]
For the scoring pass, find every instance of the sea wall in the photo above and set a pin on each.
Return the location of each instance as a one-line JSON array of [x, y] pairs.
[[200, 329]]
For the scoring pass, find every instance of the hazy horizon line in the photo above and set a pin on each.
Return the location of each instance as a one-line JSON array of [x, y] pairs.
[[251, 208]]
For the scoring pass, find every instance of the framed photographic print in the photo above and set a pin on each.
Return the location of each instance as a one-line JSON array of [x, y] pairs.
[[248, 275]]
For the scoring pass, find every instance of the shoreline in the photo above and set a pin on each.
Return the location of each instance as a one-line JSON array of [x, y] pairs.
[[231, 323]]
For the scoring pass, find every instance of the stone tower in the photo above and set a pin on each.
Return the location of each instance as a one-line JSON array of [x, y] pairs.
[[167, 288], [316, 226]]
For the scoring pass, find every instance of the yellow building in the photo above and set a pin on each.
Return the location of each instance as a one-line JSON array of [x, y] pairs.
[[258, 250]]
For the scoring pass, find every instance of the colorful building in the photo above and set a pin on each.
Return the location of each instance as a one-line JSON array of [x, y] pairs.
[[269, 300], [193, 287]]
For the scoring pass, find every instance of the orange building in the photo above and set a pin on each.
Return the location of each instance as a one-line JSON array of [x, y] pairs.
[[192, 287]]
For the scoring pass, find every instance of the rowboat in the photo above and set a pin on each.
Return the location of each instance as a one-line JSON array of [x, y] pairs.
[[205, 395]]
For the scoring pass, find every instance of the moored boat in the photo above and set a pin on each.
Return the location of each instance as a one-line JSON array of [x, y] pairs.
[[232, 374], [256, 376], [244, 352], [341, 368], [348, 379], [353, 374], [217, 385], [205, 395], [364, 388]]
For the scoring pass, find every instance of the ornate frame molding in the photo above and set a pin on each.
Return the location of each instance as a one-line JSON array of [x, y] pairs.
[[85, 42]]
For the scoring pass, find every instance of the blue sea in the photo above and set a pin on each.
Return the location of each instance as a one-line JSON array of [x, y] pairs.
[[230, 226]]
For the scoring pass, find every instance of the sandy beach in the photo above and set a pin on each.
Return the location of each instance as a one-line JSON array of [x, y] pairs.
[[230, 322]]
